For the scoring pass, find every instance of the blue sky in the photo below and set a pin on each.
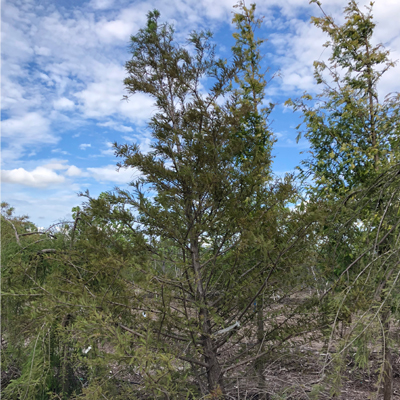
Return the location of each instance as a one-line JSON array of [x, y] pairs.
[[62, 72]]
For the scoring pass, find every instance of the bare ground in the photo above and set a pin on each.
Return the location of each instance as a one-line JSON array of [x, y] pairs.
[[297, 376]]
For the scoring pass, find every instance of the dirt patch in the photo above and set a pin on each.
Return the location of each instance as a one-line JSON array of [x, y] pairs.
[[297, 376]]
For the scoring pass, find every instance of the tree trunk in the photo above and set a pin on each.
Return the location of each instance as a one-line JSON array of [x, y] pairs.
[[260, 362], [387, 366], [385, 314], [64, 367], [214, 371], [64, 372]]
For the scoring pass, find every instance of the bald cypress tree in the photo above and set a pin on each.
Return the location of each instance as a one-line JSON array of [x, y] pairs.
[[208, 168]]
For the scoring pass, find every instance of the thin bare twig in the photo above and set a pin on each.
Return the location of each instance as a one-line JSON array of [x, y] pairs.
[[15, 232]]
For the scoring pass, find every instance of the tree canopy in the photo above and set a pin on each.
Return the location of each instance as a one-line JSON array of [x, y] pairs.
[[210, 270]]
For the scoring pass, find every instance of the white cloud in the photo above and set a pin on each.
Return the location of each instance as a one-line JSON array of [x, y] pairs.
[[109, 31], [57, 165], [60, 151], [101, 4], [103, 97], [44, 207], [219, 10], [74, 171], [295, 52], [117, 127], [42, 51], [109, 173], [13, 93], [21, 133], [144, 142], [64, 104], [84, 146], [110, 151], [31, 127], [40, 177]]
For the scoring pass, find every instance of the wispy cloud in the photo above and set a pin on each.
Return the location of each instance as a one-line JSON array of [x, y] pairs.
[[110, 173], [25, 133], [109, 151], [116, 126], [60, 151]]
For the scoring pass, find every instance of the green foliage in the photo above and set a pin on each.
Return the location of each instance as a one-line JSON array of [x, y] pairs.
[[213, 224], [351, 130], [68, 311], [209, 266]]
